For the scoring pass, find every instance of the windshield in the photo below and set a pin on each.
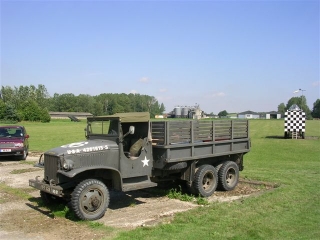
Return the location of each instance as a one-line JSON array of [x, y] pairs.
[[109, 127], [11, 132]]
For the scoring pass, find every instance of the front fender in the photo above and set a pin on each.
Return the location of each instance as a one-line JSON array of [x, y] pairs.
[[116, 175]]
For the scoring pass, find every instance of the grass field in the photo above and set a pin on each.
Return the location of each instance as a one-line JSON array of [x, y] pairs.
[[291, 211]]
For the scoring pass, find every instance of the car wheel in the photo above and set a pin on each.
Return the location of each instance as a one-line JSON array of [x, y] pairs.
[[24, 155]]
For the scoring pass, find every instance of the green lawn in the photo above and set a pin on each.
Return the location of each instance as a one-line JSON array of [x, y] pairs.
[[44, 136], [291, 211]]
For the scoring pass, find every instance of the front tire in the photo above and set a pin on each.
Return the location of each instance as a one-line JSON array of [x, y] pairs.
[[24, 155], [205, 181], [90, 199], [228, 176]]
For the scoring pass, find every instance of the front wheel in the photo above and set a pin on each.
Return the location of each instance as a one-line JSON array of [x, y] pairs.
[[90, 199], [24, 155], [205, 181]]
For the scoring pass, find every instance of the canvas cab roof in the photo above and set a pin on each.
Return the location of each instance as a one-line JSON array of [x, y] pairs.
[[125, 117]]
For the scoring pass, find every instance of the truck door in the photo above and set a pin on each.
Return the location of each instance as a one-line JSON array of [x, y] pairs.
[[136, 155]]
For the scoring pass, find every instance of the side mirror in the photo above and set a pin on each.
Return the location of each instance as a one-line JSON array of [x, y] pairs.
[[131, 129]]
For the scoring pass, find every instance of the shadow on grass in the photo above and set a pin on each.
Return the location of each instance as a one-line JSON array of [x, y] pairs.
[[118, 200], [275, 137], [60, 208], [282, 137]]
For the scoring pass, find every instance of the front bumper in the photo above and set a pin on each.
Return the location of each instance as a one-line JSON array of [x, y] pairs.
[[45, 187], [5, 152]]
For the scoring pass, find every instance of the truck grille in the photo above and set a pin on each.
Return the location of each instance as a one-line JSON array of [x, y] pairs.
[[51, 165]]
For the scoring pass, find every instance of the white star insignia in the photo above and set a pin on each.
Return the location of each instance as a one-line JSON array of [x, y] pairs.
[[145, 161]]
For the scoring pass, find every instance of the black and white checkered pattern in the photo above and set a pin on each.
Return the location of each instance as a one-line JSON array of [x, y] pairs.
[[295, 121]]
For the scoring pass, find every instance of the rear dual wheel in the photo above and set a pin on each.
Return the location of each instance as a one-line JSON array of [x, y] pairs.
[[228, 176], [205, 181]]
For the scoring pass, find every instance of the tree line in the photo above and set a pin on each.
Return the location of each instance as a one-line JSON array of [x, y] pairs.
[[30, 103], [301, 102]]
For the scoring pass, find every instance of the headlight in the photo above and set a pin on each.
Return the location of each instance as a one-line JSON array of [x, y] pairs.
[[67, 164], [18, 144]]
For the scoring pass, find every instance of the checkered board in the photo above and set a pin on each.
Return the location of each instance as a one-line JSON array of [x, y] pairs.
[[295, 121]]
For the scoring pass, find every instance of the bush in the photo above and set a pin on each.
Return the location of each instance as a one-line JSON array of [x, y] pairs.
[[45, 116], [10, 114]]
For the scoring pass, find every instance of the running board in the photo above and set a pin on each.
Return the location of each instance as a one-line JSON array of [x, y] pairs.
[[135, 183]]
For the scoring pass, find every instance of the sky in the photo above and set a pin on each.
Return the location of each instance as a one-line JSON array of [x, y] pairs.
[[220, 55]]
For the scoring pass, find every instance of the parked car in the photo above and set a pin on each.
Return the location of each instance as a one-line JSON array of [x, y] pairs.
[[14, 141]]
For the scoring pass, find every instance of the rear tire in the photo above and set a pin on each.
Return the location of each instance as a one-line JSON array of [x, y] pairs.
[[205, 181], [90, 199], [228, 176]]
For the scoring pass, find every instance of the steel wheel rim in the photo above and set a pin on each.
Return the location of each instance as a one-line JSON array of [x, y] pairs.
[[92, 200], [231, 176], [207, 181]]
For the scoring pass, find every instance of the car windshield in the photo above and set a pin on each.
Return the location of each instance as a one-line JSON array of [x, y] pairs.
[[11, 132], [103, 127]]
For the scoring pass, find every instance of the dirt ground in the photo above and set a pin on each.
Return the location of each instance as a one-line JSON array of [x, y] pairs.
[[22, 218]]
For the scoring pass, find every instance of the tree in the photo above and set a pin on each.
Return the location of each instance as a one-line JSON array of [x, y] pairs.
[[223, 113], [302, 103], [2, 109], [162, 108], [282, 108], [316, 109]]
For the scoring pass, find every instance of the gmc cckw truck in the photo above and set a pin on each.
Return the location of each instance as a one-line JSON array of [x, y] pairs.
[[127, 151]]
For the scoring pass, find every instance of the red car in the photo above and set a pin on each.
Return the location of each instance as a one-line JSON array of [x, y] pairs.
[[14, 142]]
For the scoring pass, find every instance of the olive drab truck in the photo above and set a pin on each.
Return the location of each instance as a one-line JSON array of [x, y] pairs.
[[127, 152]]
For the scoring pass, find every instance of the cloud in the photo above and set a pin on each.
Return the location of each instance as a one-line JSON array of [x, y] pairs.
[[316, 84], [164, 98], [163, 90], [144, 80], [215, 95], [134, 91]]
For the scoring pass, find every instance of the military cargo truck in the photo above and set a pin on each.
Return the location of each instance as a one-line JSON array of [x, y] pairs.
[[128, 152]]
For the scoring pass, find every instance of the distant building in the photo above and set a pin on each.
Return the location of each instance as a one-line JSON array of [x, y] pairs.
[[249, 115], [273, 115], [65, 115], [261, 115]]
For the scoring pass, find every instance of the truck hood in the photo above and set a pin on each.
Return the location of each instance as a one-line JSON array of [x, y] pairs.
[[87, 146]]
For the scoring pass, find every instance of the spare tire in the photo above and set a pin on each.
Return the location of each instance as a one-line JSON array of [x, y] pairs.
[[175, 166]]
